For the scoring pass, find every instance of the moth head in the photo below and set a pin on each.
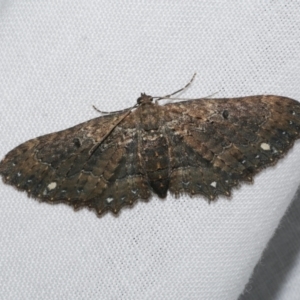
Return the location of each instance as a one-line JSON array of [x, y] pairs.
[[144, 99]]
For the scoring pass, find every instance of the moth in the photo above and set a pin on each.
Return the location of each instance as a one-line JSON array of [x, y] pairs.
[[200, 146]]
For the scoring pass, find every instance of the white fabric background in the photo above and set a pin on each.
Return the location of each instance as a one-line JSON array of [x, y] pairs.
[[57, 58]]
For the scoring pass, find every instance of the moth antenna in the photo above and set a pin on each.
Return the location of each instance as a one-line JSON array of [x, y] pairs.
[[98, 110], [211, 95], [111, 112], [180, 90], [186, 99]]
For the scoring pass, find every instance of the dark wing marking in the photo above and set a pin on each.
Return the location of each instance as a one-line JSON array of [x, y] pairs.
[[216, 143], [92, 164], [204, 146]]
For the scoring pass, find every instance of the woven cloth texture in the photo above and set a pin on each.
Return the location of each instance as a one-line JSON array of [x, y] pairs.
[[57, 58]]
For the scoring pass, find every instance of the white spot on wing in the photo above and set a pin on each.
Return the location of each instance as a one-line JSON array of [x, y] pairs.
[[109, 199], [51, 185], [214, 184], [265, 146]]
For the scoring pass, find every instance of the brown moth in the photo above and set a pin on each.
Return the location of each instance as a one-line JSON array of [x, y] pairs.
[[199, 147]]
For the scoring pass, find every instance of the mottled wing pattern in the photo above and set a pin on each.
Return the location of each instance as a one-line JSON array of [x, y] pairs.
[[202, 146], [93, 164], [216, 143]]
